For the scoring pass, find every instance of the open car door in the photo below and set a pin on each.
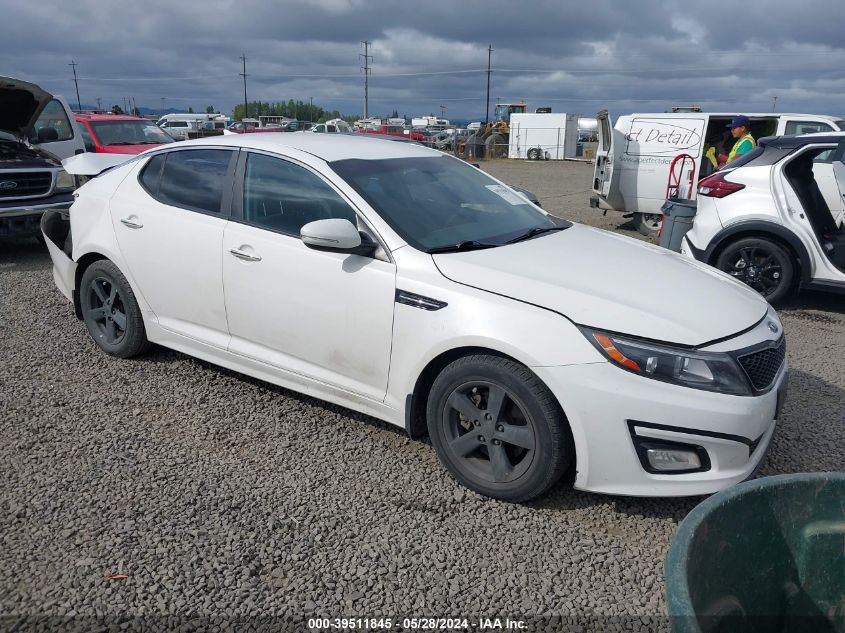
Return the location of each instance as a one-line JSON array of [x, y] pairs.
[[604, 155], [838, 164]]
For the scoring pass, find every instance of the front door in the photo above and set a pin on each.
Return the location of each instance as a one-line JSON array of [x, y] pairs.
[[169, 218], [324, 315]]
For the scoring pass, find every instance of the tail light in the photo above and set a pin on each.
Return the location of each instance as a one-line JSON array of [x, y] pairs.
[[715, 186]]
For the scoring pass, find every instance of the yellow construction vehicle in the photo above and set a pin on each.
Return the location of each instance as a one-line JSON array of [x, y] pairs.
[[495, 135]]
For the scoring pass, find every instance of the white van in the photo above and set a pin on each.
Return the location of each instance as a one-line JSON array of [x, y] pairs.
[[634, 155], [180, 125]]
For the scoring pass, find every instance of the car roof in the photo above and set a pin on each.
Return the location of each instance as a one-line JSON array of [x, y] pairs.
[[802, 139], [329, 147], [109, 117]]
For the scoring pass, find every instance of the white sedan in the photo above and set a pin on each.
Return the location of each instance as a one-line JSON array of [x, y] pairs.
[[406, 284]]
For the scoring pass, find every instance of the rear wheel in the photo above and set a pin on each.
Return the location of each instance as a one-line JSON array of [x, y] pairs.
[[647, 224], [111, 312], [498, 428], [762, 264]]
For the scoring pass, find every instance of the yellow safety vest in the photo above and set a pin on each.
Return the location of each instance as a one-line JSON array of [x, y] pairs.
[[737, 145]]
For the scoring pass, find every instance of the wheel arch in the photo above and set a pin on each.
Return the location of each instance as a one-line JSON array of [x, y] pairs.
[[762, 229], [82, 265], [417, 401]]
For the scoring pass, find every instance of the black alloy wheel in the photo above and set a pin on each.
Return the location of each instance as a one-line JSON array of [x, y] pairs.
[[488, 432], [110, 310], [761, 264], [498, 428]]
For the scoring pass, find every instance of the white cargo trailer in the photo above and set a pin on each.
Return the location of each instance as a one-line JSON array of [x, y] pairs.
[[554, 135]]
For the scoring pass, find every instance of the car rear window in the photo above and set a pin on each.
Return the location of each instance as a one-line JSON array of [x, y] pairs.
[[194, 179]]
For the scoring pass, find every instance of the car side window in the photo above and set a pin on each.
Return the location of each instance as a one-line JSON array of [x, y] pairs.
[[807, 127], [283, 197], [151, 174], [52, 125], [194, 179]]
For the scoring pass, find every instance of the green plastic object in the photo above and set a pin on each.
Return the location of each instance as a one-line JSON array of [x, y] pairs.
[[765, 556]]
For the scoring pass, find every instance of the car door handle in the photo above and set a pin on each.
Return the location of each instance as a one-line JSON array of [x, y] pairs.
[[132, 222], [247, 257]]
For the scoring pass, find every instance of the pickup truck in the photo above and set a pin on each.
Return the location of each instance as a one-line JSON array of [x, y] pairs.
[[37, 131]]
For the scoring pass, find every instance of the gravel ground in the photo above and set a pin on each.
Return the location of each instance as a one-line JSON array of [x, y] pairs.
[[212, 495]]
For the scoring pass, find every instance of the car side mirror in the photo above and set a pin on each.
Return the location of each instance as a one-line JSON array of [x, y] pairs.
[[336, 234]]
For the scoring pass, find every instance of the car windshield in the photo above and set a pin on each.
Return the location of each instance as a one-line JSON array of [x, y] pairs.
[[440, 202], [129, 133]]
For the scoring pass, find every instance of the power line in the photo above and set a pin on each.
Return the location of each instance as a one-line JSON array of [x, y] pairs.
[[367, 70]]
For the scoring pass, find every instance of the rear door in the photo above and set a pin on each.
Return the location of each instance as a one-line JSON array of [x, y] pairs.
[[169, 217], [603, 171]]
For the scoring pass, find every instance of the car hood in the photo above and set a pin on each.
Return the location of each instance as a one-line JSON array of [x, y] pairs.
[[18, 155], [20, 105], [613, 283]]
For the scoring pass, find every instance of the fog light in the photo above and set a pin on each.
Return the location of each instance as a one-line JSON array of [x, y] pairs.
[[671, 459]]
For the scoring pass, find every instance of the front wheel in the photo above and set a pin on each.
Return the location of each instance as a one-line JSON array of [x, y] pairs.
[[110, 310], [761, 264], [497, 428]]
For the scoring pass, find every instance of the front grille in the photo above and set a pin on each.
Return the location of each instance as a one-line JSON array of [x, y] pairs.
[[31, 183], [762, 367]]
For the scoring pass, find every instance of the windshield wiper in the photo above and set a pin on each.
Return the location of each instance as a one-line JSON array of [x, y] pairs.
[[466, 245], [537, 230]]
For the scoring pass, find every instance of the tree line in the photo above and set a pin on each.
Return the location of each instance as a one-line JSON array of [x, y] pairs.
[[300, 110]]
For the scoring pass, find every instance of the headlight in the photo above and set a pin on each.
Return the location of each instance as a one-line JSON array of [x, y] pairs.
[[710, 371], [65, 182]]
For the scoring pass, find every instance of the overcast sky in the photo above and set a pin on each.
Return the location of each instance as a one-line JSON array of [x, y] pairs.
[[576, 57]]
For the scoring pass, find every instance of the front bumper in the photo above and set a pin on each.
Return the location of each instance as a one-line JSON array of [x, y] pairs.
[[609, 409], [22, 217]]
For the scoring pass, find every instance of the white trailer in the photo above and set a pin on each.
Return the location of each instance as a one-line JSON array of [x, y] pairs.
[[554, 135]]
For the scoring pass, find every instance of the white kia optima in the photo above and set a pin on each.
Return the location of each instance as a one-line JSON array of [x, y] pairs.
[[406, 284]]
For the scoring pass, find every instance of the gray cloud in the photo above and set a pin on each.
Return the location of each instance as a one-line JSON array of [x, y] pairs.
[[575, 57]]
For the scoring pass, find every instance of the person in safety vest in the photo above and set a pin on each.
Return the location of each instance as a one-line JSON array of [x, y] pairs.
[[741, 131]]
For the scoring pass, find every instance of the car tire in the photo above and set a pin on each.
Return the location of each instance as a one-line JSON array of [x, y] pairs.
[[111, 312], [495, 146], [535, 153], [760, 263], [647, 224], [497, 428]]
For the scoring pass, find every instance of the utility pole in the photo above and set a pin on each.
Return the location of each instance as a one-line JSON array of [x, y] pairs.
[[310, 109], [73, 65], [489, 59], [244, 75], [443, 109], [99, 103], [367, 70], [774, 102]]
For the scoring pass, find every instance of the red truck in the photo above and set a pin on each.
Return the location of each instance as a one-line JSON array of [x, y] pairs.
[[393, 130]]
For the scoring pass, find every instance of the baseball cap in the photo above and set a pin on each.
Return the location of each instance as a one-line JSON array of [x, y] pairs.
[[739, 121]]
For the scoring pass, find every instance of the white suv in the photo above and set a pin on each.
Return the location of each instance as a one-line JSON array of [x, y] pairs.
[[774, 219]]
